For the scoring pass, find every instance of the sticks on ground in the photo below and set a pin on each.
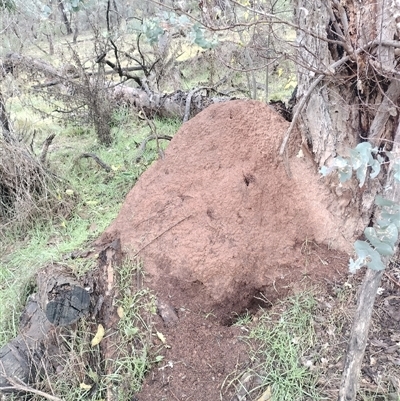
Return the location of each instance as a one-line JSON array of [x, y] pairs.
[[97, 160], [142, 147]]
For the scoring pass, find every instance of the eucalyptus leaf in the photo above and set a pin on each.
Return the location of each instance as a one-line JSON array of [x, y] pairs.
[[354, 265], [324, 171], [381, 201], [362, 248], [388, 234], [355, 159], [383, 247], [389, 218], [376, 168], [362, 174], [390, 155], [372, 257], [340, 162], [345, 174]]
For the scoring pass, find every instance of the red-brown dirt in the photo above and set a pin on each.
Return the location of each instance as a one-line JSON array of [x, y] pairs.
[[219, 226], [218, 218]]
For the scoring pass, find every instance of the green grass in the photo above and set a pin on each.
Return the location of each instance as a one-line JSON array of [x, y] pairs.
[[98, 196], [82, 373], [279, 342]]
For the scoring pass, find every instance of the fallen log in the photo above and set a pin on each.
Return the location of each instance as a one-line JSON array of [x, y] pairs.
[[179, 104], [61, 300]]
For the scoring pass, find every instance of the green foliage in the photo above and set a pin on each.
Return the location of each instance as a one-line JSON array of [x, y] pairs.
[[197, 34], [279, 341], [153, 28], [76, 4], [381, 238], [7, 5], [361, 158], [98, 197]]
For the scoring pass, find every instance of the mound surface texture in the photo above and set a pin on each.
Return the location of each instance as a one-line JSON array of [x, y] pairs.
[[217, 221]]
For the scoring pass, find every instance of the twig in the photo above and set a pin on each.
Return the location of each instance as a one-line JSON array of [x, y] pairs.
[[359, 335], [97, 160], [329, 71], [24, 387], [161, 234], [392, 279], [45, 148], [301, 105], [143, 145]]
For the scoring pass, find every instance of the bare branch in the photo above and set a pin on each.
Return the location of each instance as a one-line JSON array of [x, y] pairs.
[[21, 386], [45, 148], [97, 160]]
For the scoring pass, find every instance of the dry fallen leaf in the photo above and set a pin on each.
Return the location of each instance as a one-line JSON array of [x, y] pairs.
[[120, 312], [266, 395], [84, 386], [161, 337], [99, 335]]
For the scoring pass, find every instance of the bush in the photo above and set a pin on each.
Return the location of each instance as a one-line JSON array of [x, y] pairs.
[[28, 190]]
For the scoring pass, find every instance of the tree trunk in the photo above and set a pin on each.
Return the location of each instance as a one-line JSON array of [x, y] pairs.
[[349, 92], [64, 17], [346, 107], [172, 105], [60, 301]]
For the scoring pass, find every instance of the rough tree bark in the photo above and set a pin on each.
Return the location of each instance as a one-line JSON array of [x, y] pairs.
[[354, 101], [60, 301], [349, 85]]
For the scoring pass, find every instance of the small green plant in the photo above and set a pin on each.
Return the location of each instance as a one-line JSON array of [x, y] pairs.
[[152, 29], [243, 320], [136, 308]]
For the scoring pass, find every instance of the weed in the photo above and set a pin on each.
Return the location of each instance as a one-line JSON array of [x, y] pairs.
[[243, 320]]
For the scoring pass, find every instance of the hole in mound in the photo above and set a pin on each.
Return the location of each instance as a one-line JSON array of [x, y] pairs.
[[257, 298]]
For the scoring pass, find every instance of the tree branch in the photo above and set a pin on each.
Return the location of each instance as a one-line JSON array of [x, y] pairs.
[[97, 160], [45, 148]]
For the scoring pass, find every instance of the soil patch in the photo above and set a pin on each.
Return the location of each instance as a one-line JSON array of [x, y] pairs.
[[217, 220], [222, 229]]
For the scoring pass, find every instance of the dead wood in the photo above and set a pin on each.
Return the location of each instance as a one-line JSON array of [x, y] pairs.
[[45, 148], [106, 291], [18, 385], [178, 104], [60, 301], [97, 160], [28, 191], [142, 147]]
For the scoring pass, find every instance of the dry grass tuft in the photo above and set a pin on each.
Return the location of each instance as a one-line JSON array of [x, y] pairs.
[[29, 192]]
